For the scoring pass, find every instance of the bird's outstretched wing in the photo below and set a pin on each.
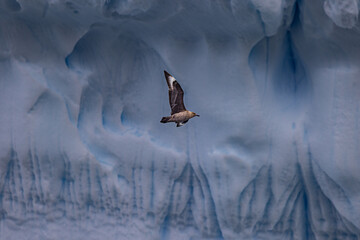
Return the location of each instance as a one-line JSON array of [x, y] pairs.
[[176, 94]]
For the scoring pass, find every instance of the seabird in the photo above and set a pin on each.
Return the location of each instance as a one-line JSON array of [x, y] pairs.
[[179, 114]]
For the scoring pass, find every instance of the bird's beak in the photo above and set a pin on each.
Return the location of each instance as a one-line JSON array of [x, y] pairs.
[[197, 115]]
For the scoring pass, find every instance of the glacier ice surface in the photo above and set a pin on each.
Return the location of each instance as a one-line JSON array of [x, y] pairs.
[[274, 155]]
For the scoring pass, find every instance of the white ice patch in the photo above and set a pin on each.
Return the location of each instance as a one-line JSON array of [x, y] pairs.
[[271, 13], [344, 13]]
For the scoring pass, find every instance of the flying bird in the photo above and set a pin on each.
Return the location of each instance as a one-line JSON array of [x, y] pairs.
[[179, 114]]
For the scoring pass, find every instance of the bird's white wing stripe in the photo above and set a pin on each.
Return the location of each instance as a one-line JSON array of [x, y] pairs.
[[171, 80]]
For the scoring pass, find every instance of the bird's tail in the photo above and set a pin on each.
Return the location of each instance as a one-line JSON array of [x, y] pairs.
[[165, 119]]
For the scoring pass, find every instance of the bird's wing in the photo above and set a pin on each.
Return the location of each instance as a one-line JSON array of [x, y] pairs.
[[176, 94]]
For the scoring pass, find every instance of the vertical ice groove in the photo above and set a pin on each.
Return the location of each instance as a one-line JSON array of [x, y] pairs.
[[166, 223], [141, 191], [213, 226], [100, 191], [38, 173], [6, 191], [249, 204], [21, 186], [134, 192], [153, 189], [32, 190], [89, 200], [80, 183], [265, 220]]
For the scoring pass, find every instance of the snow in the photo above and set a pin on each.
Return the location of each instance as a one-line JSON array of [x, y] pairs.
[[274, 155]]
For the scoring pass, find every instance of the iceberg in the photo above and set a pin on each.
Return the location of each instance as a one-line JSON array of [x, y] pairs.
[[274, 155]]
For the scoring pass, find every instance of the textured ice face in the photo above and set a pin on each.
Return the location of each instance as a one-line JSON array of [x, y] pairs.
[[343, 13], [275, 153]]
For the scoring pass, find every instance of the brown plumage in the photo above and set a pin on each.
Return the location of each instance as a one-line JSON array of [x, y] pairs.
[[179, 114]]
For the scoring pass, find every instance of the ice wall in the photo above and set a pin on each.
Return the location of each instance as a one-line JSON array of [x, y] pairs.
[[274, 155]]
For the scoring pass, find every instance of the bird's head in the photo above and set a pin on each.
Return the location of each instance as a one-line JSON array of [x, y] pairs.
[[194, 114]]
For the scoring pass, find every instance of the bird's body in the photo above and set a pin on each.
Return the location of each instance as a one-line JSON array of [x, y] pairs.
[[179, 114]]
